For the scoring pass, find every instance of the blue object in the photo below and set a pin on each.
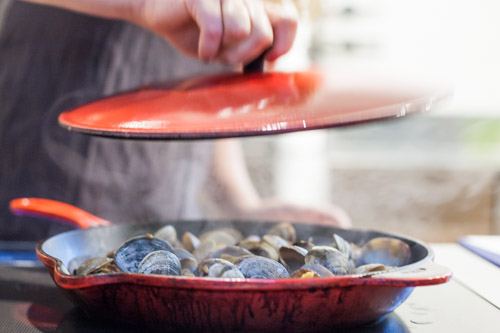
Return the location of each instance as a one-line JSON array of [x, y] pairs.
[[486, 247], [18, 254]]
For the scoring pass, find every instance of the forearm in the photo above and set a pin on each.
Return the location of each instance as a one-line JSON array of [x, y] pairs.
[[231, 174], [112, 9]]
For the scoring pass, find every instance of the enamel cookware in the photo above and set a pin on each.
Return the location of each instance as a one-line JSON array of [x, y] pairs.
[[205, 304]]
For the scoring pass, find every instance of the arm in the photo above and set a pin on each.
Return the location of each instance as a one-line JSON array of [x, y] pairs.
[[238, 197], [234, 32], [230, 172]]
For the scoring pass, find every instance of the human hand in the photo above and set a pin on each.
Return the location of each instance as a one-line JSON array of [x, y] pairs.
[[272, 210], [228, 31]]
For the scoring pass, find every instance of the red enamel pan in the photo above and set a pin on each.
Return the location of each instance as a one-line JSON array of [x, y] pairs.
[[250, 104], [218, 305]]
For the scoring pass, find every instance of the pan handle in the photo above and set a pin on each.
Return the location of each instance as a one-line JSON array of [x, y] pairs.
[[428, 273], [39, 207], [256, 65]]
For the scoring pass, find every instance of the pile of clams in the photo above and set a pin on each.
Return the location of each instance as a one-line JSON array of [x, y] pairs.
[[225, 253]]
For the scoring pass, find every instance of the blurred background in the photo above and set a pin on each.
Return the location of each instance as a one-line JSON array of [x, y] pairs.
[[433, 176]]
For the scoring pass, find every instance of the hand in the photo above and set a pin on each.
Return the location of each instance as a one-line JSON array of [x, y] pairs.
[[229, 31], [279, 211]]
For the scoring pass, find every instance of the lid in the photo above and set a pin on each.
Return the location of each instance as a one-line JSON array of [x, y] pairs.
[[234, 105]]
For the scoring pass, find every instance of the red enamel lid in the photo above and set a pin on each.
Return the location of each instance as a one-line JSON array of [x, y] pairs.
[[247, 104]]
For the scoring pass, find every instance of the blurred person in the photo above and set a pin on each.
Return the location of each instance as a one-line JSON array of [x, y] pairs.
[[57, 54]]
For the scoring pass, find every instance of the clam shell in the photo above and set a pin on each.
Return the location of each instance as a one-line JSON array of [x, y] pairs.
[[219, 268], [256, 267], [76, 262], [168, 234], [187, 259], [205, 249], [285, 230], [161, 263], [261, 248], [370, 268], [342, 245], [275, 241], [321, 270], [92, 265], [293, 256], [233, 251], [305, 244], [329, 257], [222, 237], [190, 241], [386, 251], [130, 254]]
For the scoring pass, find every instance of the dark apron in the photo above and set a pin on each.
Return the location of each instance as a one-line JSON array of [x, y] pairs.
[[52, 60]]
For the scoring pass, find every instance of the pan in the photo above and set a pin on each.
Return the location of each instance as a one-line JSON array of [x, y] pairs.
[[223, 305]]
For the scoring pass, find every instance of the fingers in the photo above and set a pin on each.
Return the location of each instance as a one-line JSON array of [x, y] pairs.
[[236, 21], [238, 31], [208, 16], [284, 22], [259, 39]]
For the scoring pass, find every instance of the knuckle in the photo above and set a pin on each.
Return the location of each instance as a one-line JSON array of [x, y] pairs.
[[232, 58], [264, 40], [239, 32], [213, 31]]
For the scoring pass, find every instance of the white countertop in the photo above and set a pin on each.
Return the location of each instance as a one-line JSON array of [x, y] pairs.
[[469, 302], [470, 270]]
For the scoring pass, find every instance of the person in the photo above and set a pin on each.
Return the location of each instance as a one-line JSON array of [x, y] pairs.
[[57, 54]]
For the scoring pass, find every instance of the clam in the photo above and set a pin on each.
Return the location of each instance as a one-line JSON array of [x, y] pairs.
[[261, 248], [386, 251], [293, 256], [187, 259], [275, 241], [130, 254], [168, 234], [216, 267], [97, 265], [160, 262], [232, 251], [256, 267], [111, 254], [230, 258], [304, 273], [255, 238], [329, 257], [190, 241], [370, 268], [187, 272], [305, 244], [76, 262], [313, 270], [222, 237], [342, 245], [205, 249], [285, 230], [322, 271]]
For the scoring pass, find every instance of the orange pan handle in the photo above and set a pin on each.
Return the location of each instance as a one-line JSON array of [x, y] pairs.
[[55, 209]]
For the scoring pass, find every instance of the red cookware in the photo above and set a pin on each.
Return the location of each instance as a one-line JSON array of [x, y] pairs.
[[234, 105], [205, 304]]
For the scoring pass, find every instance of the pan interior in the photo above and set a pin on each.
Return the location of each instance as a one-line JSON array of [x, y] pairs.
[[100, 241]]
